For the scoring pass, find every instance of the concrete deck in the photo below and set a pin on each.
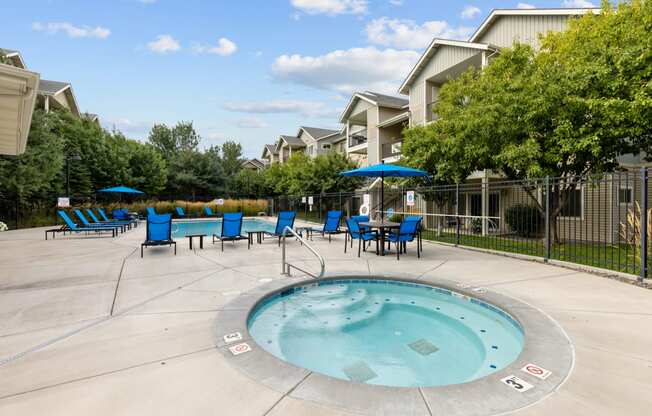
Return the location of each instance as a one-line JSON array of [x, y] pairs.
[[88, 327]]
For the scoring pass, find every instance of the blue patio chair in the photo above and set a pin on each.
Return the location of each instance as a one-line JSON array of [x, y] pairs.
[[231, 229], [180, 212], [354, 232], [87, 223], [71, 227], [95, 220], [331, 225], [359, 219], [409, 231], [159, 232], [284, 219], [151, 211]]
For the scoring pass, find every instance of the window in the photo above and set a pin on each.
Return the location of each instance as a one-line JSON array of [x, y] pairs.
[[625, 195], [326, 146], [573, 206], [309, 150]]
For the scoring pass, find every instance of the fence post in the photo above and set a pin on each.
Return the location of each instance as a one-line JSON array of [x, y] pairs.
[[547, 219], [644, 225], [457, 214]]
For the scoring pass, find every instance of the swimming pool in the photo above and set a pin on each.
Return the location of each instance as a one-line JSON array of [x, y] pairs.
[[386, 332], [181, 229]]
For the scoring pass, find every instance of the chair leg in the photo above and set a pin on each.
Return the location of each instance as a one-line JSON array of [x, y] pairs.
[[359, 245], [175, 249], [398, 250], [377, 249], [222, 241], [141, 251]]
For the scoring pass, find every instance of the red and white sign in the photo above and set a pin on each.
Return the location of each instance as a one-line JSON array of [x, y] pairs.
[[536, 371], [517, 384], [240, 348], [229, 338]]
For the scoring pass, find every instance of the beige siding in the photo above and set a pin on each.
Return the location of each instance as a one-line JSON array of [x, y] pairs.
[[445, 57], [524, 29]]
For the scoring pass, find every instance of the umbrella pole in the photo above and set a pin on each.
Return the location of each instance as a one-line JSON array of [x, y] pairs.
[[382, 197]]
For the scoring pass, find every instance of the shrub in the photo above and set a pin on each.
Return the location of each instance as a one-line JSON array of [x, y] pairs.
[[250, 207], [524, 220]]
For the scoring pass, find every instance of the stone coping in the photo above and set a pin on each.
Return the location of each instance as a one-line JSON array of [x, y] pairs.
[[546, 345]]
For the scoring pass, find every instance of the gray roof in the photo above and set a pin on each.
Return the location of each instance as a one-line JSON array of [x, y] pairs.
[[318, 133], [257, 163], [271, 148], [51, 87], [293, 141], [383, 100]]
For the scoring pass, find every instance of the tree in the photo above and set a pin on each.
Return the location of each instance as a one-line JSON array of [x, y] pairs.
[[569, 110], [35, 172]]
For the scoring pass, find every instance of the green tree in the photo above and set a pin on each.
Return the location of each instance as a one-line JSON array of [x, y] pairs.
[[571, 109], [35, 172]]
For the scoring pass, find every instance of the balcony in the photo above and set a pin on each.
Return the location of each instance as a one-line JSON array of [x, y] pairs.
[[357, 138], [391, 152]]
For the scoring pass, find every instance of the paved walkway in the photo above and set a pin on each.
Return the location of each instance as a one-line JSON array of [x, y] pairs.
[[87, 327]]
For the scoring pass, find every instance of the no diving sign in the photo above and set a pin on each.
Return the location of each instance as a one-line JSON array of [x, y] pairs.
[[240, 348], [536, 371], [517, 384]]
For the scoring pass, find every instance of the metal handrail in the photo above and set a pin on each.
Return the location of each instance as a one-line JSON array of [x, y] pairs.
[[287, 266]]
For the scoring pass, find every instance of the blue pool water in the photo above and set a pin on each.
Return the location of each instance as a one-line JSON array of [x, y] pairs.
[[181, 229], [387, 333]]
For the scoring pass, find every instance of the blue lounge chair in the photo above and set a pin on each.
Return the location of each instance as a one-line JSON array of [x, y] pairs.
[[409, 231], [231, 229], [354, 232], [151, 211], [180, 212], [331, 225], [95, 220], [121, 214], [159, 232], [209, 212], [87, 223], [284, 219], [71, 227]]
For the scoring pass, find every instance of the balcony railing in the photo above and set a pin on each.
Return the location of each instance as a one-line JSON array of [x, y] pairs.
[[391, 149], [430, 114], [357, 138]]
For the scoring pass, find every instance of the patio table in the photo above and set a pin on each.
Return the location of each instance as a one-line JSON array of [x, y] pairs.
[[260, 236], [382, 227], [201, 240]]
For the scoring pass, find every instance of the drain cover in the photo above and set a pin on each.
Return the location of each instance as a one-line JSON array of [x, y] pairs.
[[359, 372], [423, 347]]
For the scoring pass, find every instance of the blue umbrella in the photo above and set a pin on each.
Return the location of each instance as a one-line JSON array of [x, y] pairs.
[[382, 171], [121, 190]]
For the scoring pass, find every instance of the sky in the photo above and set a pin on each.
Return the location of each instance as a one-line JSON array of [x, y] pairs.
[[247, 71]]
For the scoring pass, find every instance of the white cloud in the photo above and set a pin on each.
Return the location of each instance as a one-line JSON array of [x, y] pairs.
[[470, 12], [407, 34], [331, 7], [396, 2], [304, 108], [164, 44], [225, 47], [578, 4], [71, 30], [349, 70], [251, 123], [525, 6]]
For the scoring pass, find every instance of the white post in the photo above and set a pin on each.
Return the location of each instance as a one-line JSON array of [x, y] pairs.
[[485, 202]]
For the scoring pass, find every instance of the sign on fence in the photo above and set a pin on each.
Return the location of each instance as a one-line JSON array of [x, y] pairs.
[[409, 197], [63, 202], [366, 199], [303, 199], [310, 200]]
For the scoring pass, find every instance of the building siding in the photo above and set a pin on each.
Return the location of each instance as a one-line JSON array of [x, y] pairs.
[[524, 29]]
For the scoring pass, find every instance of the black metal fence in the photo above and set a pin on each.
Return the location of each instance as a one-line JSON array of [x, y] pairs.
[[594, 220]]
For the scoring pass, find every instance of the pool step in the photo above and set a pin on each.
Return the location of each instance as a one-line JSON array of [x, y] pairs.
[[337, 319]]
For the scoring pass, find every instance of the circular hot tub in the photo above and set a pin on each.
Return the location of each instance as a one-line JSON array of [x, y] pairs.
[[386, 332]]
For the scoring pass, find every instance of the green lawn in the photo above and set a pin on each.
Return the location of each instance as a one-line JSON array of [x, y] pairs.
[[620, 258]]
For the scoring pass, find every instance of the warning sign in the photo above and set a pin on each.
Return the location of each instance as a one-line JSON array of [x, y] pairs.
[[229, 338], [536, 371], [240, 348], [517, 384]]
